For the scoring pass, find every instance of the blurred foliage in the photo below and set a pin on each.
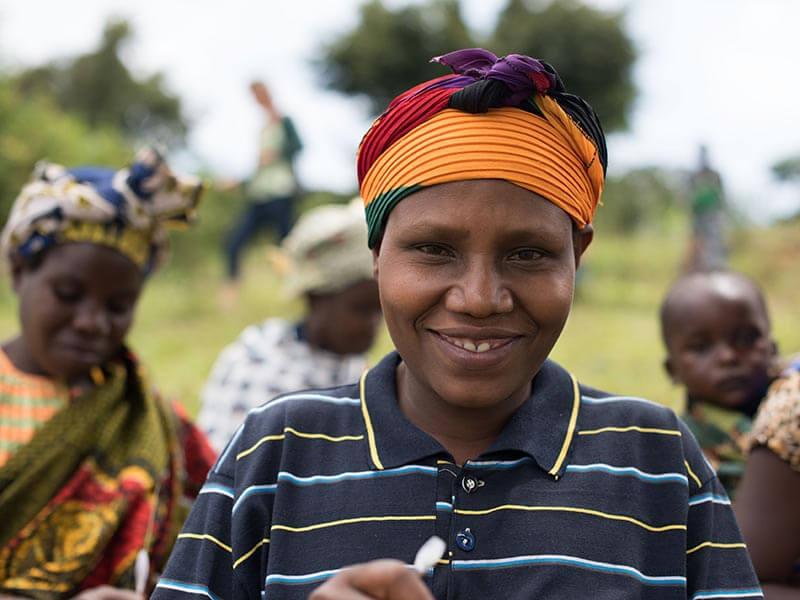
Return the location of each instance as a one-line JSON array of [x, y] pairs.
[[787, 169], [99, 87], [643, 198], [389, 50], [33, 128], [588, 47]]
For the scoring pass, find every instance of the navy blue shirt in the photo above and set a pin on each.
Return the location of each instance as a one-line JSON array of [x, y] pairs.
[[582, 495]]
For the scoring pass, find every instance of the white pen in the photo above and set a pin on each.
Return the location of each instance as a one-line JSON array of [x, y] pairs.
[[428, 554], [141, 571]]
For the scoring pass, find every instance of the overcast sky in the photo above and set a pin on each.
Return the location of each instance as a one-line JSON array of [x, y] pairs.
[[723, 72]]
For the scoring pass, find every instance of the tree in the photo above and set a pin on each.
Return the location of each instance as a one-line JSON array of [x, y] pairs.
[[100, 88], [787, 169], [588, 47], [388, 50], [33, 129], [640, 198]]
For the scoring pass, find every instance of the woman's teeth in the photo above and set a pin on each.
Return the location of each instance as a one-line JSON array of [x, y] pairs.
[[472, 345]]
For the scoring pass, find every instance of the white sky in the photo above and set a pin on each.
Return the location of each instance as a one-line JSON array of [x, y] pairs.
[[723, 72]]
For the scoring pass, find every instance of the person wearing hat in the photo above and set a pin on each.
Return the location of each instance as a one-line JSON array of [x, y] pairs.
[[480, 188], [96, 468], [325, 263]]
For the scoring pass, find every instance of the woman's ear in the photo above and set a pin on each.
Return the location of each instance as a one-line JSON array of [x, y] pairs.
[[581, 240], [376, 253], [17, 271]]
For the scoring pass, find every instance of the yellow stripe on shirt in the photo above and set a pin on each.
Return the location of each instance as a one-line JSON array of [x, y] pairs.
[[301, 434], [630, 428], [574, 509], [694, 477], [373, 448], [250, 552], [715, 545], [351, 521], [573, 419], [205, 536]]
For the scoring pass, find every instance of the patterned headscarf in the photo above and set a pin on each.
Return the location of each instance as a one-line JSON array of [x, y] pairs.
[[326, 250], [128, 210], [507, 118]]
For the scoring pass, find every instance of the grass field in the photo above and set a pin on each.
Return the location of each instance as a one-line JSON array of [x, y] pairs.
[[611, 341]]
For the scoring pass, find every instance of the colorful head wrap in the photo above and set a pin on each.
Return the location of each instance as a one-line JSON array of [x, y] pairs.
[[507, 118], [128, 210], [326, 250]]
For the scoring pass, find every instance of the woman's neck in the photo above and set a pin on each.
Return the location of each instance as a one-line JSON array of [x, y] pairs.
[[465, 433]]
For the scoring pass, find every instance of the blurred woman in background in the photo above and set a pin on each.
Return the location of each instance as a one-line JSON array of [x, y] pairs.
[[95, 466], [326, 262]]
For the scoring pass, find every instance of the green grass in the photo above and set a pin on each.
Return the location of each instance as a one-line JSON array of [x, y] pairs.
[[611, 340]]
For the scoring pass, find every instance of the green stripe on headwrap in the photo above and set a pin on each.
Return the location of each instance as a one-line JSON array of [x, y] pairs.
[[378, 210]]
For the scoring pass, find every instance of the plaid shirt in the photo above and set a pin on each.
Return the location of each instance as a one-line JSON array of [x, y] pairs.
[[267, 360]]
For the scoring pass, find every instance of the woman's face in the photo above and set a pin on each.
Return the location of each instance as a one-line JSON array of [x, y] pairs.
[[348, 320], [476, 281], [75, 309]]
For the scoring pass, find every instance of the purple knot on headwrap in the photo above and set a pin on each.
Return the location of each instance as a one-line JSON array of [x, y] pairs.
[[523, 75]]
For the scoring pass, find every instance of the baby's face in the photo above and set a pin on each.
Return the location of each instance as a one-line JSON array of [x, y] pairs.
[[720, 349]]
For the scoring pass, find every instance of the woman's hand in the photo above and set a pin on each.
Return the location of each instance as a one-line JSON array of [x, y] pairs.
[[106, 592], [375, 580]]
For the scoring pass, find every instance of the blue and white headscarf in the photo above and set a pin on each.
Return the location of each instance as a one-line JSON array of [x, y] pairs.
[[129, 209]]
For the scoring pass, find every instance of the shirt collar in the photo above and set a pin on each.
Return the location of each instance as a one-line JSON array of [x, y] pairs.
[[542, 428]]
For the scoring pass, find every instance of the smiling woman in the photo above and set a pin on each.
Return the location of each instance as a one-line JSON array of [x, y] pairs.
[[94, 466], [480, 188]]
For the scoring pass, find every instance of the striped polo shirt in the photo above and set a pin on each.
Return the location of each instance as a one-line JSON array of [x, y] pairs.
[[582, 495]]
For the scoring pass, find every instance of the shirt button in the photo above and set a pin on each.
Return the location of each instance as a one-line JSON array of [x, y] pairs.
[[470, 484], [465, 540]]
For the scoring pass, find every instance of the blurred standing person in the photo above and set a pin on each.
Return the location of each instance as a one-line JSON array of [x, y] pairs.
[[708, 250], [326, 262], [270, 192]]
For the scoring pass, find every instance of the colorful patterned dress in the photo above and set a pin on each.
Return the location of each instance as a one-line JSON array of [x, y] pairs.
[[89, 478]]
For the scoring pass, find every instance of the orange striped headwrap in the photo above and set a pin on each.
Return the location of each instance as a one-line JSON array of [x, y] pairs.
[[494, 119]]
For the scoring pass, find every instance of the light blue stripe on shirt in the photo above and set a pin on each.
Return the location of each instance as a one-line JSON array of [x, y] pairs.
[[283, 476], [630, 472], [702, 498], [588, 400], [498, 464], [344, 401], [444, 506], [254, 490], [573, 561], [276, 578], [215, 488], [187, 588], [740, 593]]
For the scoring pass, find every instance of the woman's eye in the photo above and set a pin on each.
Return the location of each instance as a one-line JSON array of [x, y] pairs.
[[434, 250], [525, 255]]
